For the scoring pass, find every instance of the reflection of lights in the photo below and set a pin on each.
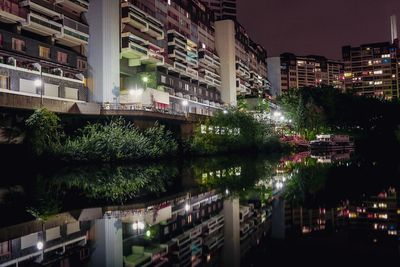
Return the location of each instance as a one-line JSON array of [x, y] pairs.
[[39, 245], [187, 207], [140, 225], [148, 233], [279, 185]]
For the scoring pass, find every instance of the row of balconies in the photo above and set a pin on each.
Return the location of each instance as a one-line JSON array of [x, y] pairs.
[[142, 21], [68, 31], [209, 59], [139, 51]]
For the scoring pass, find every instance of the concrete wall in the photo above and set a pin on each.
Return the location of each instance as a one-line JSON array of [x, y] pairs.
[[225, 46], [274, 75], [104, 50]]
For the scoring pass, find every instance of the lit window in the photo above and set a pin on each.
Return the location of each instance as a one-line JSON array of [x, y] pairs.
[[18, 45], [62, 57], [378, 71], [44, 52]]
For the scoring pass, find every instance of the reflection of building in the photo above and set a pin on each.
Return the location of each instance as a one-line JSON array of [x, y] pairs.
[[65, 241], [44, 41], [332, 156], [290, 71], [379, 216]]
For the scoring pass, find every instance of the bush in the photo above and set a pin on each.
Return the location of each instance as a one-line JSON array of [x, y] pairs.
[[44, 131], [118, 141]]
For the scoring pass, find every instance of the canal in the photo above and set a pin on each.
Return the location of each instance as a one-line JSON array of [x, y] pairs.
[[245, 210]]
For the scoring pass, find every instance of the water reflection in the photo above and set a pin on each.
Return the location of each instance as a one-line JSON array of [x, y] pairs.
[[204, 212]]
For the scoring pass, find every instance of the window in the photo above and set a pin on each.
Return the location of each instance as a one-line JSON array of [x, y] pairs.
[[4, 82], [5, 248], [187, 87], [82, 64], [163, 79], [62, 57], [44, 52], [18, 45]]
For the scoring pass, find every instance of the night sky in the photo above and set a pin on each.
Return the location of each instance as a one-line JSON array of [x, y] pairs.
[[318, 27]]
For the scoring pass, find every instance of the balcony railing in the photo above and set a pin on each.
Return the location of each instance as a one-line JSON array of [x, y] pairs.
[[42, 25], [10, 11]]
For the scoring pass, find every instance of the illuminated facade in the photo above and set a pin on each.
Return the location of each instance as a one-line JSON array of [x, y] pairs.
[[291, 71], [373, 69], [43, 48]]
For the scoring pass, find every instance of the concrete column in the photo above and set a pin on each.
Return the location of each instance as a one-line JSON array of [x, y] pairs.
[[226, 49], [107, 243], [278, 218], [231, 252], [104, 51]]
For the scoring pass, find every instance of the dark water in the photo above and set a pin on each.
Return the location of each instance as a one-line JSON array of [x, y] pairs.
[[242, 210]]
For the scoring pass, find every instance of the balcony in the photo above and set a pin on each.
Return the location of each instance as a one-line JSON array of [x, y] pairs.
[[180, 67], [134, 50], [76, 5], [177, 55], [142, 21], [74, 33], [41, 25], [42, 6], [11, 12]]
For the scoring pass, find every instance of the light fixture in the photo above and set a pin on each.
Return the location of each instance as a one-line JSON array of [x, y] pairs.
[[37, 82], [148, 233], [225, 111], [226, 191], [145, 79], [185, 103], [39, 245], [134, 226], [141, 225], [187, 207]]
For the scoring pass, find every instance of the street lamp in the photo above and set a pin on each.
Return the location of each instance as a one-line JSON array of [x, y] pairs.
[[39, 245], [187, 207], [39, 84], [145, 79], [225, 111]]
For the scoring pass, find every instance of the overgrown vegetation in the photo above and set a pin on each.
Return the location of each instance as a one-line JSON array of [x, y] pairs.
[[233, 131], [116, 140], [327, 110]]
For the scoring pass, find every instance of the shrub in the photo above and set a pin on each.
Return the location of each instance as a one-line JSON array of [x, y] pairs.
[[44, 131]]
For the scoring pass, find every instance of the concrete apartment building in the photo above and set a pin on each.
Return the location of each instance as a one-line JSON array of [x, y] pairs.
[[374, 69], [223, 9], [291, 71], [43, 48], [243, 62]]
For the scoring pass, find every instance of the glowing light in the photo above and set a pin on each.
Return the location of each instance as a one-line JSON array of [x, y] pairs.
[[185, 103], [187, 207], [140, 225], [134, 226], [145, 79], [225, 111], [39, 245], [136, 92], [277, 114], [148, 233], [37, 82]]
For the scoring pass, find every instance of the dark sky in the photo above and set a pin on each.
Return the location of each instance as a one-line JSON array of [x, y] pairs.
[[317, 26]]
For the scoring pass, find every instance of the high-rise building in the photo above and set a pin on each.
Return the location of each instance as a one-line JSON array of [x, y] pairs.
[[372, 69], [243, 62], [168, 56], [223, 9], [290, 71], [43, 48]]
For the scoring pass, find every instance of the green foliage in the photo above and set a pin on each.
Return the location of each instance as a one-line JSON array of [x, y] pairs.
[[117, 184], [325, 109], [44, 131], [118, 141], [253, 135]]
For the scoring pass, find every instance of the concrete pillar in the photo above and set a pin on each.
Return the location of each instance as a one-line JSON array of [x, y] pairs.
[[278, 218], [231, 252], [104, 51], [107, 243], [226, 49]]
